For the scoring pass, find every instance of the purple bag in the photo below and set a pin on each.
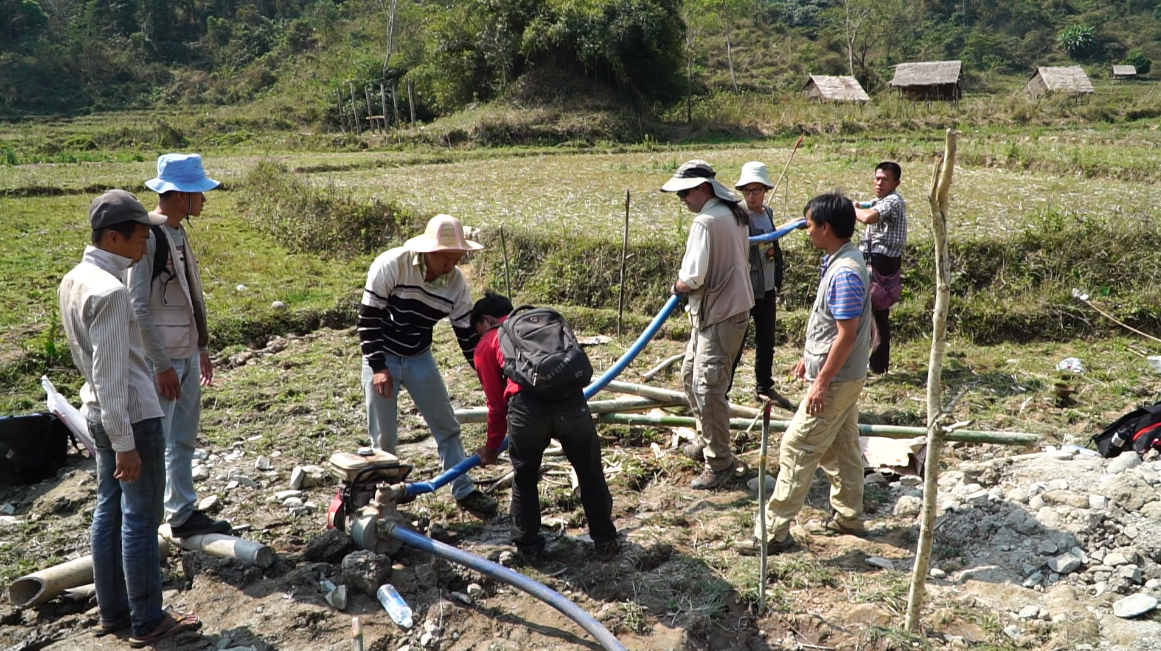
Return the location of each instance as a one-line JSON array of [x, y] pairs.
[[885, 290]]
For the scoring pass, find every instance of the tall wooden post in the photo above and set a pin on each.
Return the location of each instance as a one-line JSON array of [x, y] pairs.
[[383, 106], [411, 101], [355, 110], [940, 186], [342, 116], [624, 256], [370, 113]]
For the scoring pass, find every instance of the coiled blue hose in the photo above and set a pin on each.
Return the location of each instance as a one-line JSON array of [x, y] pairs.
[[512, 578]]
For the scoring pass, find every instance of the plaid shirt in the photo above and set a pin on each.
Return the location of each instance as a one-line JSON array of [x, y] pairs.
[[888, 235]]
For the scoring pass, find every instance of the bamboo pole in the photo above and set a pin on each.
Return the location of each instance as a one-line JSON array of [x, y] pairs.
[[383, 106], [940, 186], [355, 110], [411, 101], [480, 414], [370, 116], [677, 397], [624, 256], [762, 534], [669, 361], [1018, 439], [507, 278], [342, 116]]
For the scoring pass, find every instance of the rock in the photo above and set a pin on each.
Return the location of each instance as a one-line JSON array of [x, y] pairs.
[[475, 590], [307, 477], [1130, 573], [1018, 495], [240, 287], [1066, 497], [1013, 633], [878, 561], [209, 504], [337, 598], [462, 598], [1046, 547], [1152, 511], [875, 479], [1029, 612], [263, 463], [1036, 503], [1122, 463], [506, 558], [1138, 604], [753, 485], [426, 640], [365, 571], [908, 505], [296, 477], [243, 480], [1116, 559], [911, 480], [232, 484], [1064, 564], [279, 306], [328, 547], [1033, 580], [1098, 502], [1057, 485], [201, 473], [292, 502], [282, 495], [937, 573]]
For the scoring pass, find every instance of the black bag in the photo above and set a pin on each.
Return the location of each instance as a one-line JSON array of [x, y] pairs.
[[542, 355], [32, 448], [1139, 429]]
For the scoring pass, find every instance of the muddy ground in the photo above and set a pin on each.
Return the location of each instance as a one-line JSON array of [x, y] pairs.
[[677, 584]]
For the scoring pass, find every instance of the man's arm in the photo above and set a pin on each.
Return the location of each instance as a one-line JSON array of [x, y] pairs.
[[867, 215], [373, 313], [109, 322], [460, 318], [695, 264]]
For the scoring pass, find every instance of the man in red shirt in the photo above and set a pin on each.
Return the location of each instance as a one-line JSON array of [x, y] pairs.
[[530, 423]]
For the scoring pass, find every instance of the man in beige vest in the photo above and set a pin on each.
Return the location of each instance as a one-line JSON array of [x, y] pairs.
[[715, 275], [166, 289]]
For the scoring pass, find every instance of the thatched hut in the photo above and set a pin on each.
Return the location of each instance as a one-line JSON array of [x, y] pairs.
[[1066, 80], [928, 80], [825, 88], [1124, 72]]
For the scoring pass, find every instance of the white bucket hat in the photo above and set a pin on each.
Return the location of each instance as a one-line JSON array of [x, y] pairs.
[[754, 172], [443, 233], [180, 173], [693, 174]]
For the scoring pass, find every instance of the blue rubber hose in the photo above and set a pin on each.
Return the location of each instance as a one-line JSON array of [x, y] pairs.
[[453, 473], [770, 237], [514, 579]]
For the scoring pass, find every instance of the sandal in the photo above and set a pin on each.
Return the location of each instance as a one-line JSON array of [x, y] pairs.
[[109, 628], [171, 625]]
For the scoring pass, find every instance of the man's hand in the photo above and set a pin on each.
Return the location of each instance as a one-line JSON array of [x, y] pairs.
[[128, 466], [799, 370], [680, 287], [382, 383], [487, 455], [168, 384], [816, 397], [207, 367]]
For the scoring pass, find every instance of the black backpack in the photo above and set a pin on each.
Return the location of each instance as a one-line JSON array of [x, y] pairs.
[[32, 448], [1138, 430], [542, 355], [160, 253]]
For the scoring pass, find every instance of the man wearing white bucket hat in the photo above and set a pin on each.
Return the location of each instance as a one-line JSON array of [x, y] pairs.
[[408, 290], [166, 288], [715, 274]]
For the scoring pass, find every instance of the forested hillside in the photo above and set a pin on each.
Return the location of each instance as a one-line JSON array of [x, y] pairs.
[[62, 57]]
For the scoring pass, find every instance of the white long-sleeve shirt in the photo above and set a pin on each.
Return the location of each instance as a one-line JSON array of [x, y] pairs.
[[106, 346]]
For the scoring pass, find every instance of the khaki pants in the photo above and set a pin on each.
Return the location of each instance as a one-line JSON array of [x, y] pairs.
[[829, 439], [706, 372]]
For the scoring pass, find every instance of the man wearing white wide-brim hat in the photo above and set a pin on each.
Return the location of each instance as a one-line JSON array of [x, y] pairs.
[[408, 290], [166, 288], [715, 274]]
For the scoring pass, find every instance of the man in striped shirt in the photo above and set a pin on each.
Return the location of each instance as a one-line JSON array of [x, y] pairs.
[[408, 290], [825, 429], [124, 417]]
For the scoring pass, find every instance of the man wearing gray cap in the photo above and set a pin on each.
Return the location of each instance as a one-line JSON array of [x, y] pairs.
[[166, 289], [124, 418], [715, 274]]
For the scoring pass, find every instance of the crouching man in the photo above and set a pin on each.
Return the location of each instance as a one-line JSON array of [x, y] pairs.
[[825, 429], [530, 422]]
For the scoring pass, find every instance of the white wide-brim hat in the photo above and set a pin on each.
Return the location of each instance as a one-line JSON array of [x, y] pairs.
[[754, 172], [443, 233], [693, 174], [180, 173]]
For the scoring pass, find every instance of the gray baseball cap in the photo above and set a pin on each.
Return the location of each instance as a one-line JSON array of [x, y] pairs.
[[118, 206]]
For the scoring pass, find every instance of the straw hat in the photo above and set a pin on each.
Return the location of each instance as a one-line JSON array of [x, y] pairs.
[[443, 233], [754, 172], [693, 174]]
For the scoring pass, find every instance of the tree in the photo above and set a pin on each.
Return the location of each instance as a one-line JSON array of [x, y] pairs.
[[21, 19], [1137, 58], [1076, 40], [863, 24]]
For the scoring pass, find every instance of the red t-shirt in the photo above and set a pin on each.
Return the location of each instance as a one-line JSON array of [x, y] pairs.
[[497, 388]]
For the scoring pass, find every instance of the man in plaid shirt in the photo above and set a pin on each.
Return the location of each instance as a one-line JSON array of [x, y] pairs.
[[882, 246]]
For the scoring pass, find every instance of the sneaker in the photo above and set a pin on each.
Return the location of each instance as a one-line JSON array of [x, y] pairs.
[[713, 478], [478, 503], [753, 547], [198, 523], [693, 451], [607, 549]]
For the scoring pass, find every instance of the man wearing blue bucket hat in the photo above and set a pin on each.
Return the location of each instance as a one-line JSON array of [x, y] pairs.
[[166, 289]]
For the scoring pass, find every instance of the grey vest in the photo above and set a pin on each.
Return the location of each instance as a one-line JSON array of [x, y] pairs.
[[822, 328]]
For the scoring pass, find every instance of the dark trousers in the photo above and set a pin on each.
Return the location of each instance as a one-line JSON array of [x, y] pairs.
[[764, 314], [532, 423], [881, 355]]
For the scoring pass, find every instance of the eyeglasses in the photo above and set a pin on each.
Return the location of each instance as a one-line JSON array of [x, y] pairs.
[[755, 191], [682, 194]]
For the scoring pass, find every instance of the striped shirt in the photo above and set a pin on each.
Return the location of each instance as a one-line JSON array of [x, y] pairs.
[[888, 235], [105, 342], [399, 309], [845, 295]]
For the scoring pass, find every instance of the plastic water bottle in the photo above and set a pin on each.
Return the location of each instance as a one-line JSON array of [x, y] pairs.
[[394, 604], [865, 204]]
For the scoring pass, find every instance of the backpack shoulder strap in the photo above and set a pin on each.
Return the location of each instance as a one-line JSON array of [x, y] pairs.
[[160, 252]]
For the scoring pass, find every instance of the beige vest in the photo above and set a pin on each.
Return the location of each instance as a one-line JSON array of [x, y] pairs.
[[726, 290], [176, 302], [822, 328]]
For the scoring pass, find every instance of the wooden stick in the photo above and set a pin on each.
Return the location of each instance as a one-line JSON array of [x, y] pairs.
[[786, 166], [648, 375], [355, 110], [507, 278], [762, 509], [1114, 320], [624, 255], [941, 185]]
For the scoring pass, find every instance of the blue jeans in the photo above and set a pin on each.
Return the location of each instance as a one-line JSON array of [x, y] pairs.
[[421, 377], [126, 560], [182, 417]]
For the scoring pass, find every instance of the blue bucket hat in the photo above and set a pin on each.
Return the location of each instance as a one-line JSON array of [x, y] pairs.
[[180, 173]]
